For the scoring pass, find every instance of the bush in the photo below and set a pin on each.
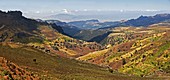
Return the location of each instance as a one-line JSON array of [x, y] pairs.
[[5, 72], [123, 61], [110, 70]]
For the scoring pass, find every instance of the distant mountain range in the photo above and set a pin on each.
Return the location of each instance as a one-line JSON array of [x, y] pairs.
[[108, 15], [92, 24], [41, 49], [147, 20], [96, 24], [78, 29], [67, 28], [142, 21]]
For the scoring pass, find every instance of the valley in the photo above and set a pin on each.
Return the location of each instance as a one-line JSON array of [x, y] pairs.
[[42, 50], [137, 51]]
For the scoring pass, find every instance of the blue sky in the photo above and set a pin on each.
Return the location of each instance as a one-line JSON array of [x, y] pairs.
[[44, 8], [51, 5]]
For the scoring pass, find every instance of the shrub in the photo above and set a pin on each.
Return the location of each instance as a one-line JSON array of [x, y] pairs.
[[123, 61], [166, 56], [34, 60], [5, 72], [110, 70]]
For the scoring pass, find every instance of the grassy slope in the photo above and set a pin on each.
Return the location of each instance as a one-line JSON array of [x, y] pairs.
[[49, 67], [149, 62], [10, 71], [147, 55], [92, 55], [72, 47]]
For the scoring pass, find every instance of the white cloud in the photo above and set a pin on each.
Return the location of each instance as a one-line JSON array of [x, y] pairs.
[[65, 11], [37, 12], [151, 10], [52, 11], [121, 10], [85, 10]]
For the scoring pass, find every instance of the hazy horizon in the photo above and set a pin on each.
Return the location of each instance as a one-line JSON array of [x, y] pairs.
[[74, 10]]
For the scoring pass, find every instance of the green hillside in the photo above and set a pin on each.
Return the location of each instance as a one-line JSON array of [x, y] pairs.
[[55, 67], [140, 51]]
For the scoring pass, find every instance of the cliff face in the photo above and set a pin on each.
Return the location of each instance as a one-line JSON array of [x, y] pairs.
[[14, 19]]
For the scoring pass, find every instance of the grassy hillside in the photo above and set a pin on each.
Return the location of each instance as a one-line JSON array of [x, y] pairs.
[[44, 51], [46, 37], [70, 47], [55, 67], [140, 51], [10, 71]]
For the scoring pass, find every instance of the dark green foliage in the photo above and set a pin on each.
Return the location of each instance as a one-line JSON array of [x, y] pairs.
[[26, 38], [5, 72], [100, 37], [163, 48], [143, 56], [123, 61], [110, 70], [58, 28], [166, 56], [89, 34], [34, 60]]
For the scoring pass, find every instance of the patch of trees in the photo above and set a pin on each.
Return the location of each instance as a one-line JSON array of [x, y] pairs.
[[166, 55], [41, 48]]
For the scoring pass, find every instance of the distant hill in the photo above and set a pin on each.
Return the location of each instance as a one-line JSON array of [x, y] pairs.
[[142, 21], [43, 49], [67, 28], [92, 24], [63, 16], [40, 50], [100, 38], [147, 20], [76, 29], [87, 35]]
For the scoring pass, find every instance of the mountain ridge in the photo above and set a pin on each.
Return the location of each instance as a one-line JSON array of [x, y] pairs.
[[44, 49]]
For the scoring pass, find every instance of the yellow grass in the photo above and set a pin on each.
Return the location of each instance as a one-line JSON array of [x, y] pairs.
[[69, 52], [93, 55]]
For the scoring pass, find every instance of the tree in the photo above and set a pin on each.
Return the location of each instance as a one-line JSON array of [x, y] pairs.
[[110, 70], [123, 61], [34, 60], [143, 56]]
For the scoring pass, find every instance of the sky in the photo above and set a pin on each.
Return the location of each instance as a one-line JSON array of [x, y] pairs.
[[49, 7]]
